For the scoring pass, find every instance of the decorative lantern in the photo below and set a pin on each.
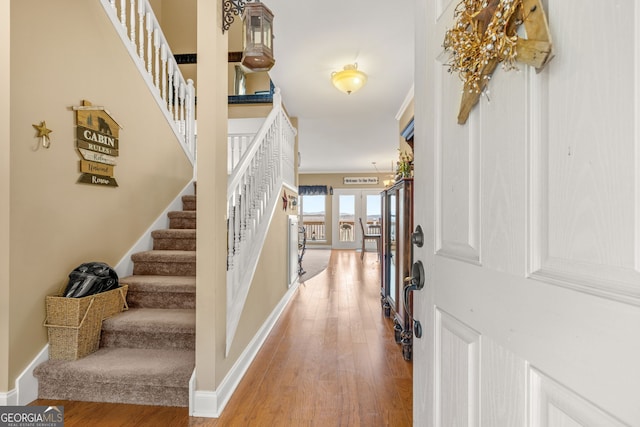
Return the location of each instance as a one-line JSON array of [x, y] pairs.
[[257, 37]]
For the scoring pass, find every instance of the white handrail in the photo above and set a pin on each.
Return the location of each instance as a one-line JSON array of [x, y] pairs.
[[140, 31], [253, 191]]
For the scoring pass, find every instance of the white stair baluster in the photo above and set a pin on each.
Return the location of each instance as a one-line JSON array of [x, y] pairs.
[[141, 29], [132, 22], [163, 57], [181, 106], [123, 13], [170, 84], [156, 55], [149, 34], [176, 93]]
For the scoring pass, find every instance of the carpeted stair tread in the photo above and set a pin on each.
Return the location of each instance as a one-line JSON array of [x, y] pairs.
[[174, 233], [121, 375], [151, 328], [163, 320], [165, 263], [182, 214], [183, 239], [182, 219], [150, 283], [189, 203], [161, 291], [171, 368], [164, 256]]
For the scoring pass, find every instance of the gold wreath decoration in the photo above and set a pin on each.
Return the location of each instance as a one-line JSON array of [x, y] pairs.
[[484, 34]]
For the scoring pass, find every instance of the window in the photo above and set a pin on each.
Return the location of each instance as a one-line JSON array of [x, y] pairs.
[[313, 208]]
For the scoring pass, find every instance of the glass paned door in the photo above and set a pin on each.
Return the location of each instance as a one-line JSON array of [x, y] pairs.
[[372, 220], [346, 219], [349, 205]]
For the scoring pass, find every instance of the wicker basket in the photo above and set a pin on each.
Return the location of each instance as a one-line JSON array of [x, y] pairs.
[[113, 301], [74, 324]]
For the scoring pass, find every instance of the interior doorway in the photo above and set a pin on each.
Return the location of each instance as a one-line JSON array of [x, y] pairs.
[[349, 204]]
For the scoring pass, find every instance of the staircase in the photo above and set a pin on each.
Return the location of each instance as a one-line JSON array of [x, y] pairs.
[[146, 354]]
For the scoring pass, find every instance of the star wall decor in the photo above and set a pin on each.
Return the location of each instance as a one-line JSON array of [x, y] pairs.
[[43, 133], [484, 35]]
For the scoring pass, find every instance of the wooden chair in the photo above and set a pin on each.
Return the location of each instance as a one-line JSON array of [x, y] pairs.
[[377, 237]]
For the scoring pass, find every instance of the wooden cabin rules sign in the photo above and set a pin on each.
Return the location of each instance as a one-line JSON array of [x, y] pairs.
[[97, 142], [485, 34]]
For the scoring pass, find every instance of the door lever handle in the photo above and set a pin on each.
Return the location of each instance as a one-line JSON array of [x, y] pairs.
[[416, 281]]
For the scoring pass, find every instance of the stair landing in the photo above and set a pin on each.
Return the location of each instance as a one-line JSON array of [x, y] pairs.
[[121, 375]]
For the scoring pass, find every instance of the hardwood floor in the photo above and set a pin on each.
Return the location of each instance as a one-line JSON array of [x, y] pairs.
[[331, 360]]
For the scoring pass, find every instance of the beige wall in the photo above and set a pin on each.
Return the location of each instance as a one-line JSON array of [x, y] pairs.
[[247, 111], [336, 180], [55, 223], [5, 191], [258, 82], [177, 19]]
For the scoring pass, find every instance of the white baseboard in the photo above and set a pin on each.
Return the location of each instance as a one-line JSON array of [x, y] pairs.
[[26, 390], [145, 243], [210, 404], [9, 398]]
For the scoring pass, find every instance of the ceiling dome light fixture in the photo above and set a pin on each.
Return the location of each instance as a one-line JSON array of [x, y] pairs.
[[348, 80]]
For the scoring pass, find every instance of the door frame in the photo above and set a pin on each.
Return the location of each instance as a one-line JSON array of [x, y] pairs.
[[360, 209]]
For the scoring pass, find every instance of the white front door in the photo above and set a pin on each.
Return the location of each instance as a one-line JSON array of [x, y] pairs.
[[348, 206], [531, 210]]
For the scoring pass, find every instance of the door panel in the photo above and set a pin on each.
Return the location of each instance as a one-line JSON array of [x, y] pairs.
[[585, 193], [531, 213], [556, 406], [457, 167], [504, 378], [457, 372]]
